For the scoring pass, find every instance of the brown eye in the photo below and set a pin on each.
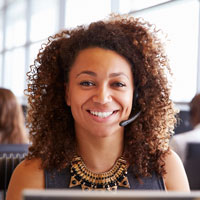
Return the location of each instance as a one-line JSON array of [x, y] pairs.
[[87, 83], [118, 84]]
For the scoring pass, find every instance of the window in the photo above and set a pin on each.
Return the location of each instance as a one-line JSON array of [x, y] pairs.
[[1, 69], [34, 50], [86, 11], [180, 21], [26, 24], [126, 6], [15, 29], [1, 4], [1, 31], [14, 70], [44, 19]]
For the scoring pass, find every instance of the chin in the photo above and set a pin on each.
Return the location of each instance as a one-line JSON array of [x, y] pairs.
[[103, 133]]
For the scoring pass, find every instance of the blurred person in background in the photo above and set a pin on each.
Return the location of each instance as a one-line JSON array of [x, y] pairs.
[[179, 142], [12, 123]]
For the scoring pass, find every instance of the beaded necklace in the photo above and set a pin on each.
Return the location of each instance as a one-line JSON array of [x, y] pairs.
[[88, 180]]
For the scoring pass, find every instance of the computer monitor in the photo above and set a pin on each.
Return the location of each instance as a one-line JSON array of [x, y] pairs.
[[50, 194]]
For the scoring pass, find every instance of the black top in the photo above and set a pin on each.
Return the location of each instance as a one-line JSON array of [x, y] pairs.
[[61, 180]]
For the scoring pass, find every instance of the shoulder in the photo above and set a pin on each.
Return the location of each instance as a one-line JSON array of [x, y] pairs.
[[175, 177], [28, 174], [29, 169]]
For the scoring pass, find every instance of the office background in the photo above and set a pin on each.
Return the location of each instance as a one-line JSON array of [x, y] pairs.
[[26, 24]]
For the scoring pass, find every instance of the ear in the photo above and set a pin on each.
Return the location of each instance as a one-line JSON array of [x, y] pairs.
[[67, 94]]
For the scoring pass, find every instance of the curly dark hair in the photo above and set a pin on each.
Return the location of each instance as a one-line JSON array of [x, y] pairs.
[[50, 120]]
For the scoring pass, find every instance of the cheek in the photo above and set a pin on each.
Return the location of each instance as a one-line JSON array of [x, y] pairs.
[[127, 101], [75, 108], [77, 101]]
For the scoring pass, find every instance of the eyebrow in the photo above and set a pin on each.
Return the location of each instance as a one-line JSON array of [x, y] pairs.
[[118, 74], [91, 73], [88, 73]]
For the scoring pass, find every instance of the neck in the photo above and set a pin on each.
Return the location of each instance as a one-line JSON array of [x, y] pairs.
[[100, 153]]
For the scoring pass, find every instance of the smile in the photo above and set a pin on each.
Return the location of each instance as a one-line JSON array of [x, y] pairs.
[[101, 114]]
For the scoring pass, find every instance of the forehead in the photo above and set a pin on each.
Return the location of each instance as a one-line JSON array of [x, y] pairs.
[[101, 60]]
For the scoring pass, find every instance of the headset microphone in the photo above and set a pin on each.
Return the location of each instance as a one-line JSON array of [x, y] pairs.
[[128, 121]]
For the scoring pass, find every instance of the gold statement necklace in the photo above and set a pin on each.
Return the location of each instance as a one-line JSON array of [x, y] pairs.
[[110, 180]]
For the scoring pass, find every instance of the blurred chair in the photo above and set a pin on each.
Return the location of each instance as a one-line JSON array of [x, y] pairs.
[[13, 149], [192, 165], [7, 166]]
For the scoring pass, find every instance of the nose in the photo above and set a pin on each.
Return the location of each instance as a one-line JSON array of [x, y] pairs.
[[103, 95]]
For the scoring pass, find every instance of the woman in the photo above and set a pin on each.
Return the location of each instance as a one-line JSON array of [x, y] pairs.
[[83, 84], [12, 124]]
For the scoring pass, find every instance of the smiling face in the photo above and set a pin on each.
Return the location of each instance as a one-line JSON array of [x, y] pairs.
[[100, 92]]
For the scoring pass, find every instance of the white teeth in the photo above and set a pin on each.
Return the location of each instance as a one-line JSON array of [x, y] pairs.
[[101, 114]]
